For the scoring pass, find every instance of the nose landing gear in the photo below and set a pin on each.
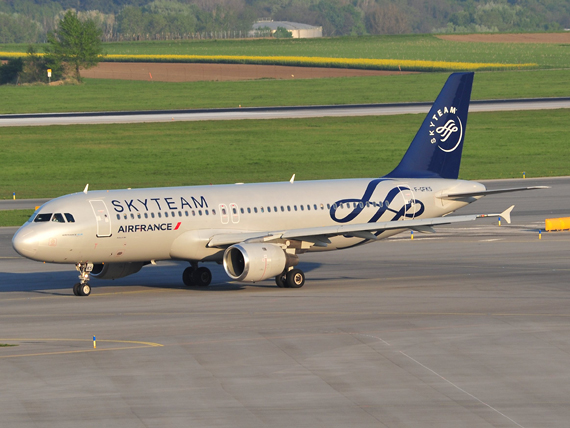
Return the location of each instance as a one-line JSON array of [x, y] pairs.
[[82, 288]]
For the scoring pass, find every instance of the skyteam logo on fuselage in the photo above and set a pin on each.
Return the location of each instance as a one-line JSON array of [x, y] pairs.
[[446, 129]]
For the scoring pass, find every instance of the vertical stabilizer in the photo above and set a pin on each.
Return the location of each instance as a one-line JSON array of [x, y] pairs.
[[436, 149]]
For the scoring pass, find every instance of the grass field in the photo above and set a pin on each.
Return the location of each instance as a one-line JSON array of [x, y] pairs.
[[113, 95], [411, 47], [14, 217], [55, 160]]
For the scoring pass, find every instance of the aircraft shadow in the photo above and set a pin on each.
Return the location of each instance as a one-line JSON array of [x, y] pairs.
[[59, 283]]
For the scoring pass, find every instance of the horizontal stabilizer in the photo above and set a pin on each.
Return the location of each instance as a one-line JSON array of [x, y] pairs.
[[488, 192]]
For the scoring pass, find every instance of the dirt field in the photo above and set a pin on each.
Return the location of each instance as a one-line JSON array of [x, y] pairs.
[[169, 72], [563, 38]]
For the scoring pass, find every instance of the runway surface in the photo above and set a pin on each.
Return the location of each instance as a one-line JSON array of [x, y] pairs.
[[268, 112], [469, 327]]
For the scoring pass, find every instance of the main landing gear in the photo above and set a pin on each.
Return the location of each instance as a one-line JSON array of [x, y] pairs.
[[195, 276], [295, 278], [82, 288]]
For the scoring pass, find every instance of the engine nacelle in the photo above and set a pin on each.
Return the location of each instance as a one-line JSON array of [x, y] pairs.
[[115, 270], [256, 262]]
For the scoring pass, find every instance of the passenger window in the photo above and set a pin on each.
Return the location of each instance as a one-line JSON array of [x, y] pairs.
[[152, 215], [193, 213], [159, 215], [199, 212], [242, 210], [234, 210], [322, 207], [186, 213], [132, 216], [328, 206], [43, 217], [274, 209], [213, 212], [255, 210], [282, 208], [308, 207], [179, 213], [206, 212], [70, 218], [262, 209], [361, 205], [58, 218], [165, 214], [288, 207], [118, 216], [249, 210], [268, 209], [125, 216], [145, 215], [315, 206], [302, 208], [295, 207], [139, 215]]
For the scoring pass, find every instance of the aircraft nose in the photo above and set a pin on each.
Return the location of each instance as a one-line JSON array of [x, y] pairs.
[[25, 243]]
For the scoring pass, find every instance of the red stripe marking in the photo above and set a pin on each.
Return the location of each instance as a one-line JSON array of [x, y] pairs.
[[178, 225]]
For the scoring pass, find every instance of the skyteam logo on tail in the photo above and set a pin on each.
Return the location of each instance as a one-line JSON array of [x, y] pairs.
[[446, 129]]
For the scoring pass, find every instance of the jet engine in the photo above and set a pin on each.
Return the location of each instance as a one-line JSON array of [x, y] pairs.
[[115, 270], [256, 262]]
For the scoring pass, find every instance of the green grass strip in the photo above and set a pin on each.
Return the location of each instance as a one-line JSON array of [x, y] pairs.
[[116, 95], [56, 160], [14, 217]]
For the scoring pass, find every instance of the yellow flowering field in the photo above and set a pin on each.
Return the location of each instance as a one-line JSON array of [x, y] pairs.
[[366, 63]]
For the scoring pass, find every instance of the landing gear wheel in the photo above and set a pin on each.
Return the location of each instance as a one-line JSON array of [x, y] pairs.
[[84, 289], [188, 276], [295, 278], [202, 277], [76, 288], [281, 281]]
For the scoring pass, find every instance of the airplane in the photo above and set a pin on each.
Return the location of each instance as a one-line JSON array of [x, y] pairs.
[[258, 231]]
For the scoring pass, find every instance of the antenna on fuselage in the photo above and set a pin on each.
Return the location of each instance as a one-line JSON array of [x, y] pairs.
[[86, 188], [292, 179]]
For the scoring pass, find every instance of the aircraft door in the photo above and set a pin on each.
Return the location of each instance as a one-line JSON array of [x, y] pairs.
[[408, 201], [224, 214], [235, 213], [102, 217]]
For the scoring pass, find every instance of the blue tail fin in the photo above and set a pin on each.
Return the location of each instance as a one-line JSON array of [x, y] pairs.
[[436, 149]]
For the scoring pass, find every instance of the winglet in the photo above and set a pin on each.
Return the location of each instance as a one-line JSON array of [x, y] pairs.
[[292, 179], [86, 188], [507, 214]]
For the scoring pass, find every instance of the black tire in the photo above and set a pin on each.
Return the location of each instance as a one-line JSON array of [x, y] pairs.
[[202, 277], [188, 277], [76, 289], [295, 278], [281, 281], [84, 289]]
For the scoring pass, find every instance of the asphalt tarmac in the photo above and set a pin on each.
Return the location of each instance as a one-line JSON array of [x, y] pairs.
[[468, 327], [94, 118]]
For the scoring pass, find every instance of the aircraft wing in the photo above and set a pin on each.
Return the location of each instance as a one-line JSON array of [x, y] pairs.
[[488, 192], [319, 235]]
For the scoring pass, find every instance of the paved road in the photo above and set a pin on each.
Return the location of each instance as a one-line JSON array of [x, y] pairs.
[[469, 327], [21, 204], [267, 113]]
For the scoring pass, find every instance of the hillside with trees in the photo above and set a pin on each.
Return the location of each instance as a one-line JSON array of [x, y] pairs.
[[28, 21]]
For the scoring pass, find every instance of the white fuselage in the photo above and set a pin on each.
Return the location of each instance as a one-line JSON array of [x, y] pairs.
[[177, 222]]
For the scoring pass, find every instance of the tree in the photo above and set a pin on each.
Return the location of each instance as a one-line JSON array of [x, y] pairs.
[[75, 43], [10, 71]]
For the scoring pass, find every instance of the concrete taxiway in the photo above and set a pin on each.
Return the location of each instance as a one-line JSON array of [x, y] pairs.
[[93, 118], [468, 327]]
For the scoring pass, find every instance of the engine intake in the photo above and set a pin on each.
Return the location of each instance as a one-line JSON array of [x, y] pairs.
[[115, 270], [256, 262]]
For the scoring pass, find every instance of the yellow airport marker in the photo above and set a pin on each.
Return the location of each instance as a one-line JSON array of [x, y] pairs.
[[14, 195], [412, 234], [524, 174], [539, 234], [94, 342], [499, 221]]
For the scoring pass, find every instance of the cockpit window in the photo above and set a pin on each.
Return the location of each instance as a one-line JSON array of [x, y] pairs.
[[58, 218], [43, 217], [69, 218]]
